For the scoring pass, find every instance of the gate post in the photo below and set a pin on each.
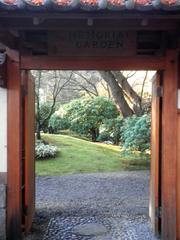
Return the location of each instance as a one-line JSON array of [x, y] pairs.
[[178, 155], [169, 146], [14, 151]]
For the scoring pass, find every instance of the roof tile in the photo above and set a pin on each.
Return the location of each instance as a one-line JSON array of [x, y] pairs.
[[90, 5]]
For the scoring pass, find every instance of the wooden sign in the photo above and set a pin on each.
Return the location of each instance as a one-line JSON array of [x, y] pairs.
[[92, 43]]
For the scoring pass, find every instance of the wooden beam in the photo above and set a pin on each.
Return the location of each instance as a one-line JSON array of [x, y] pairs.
[[95, 15], [14, 151], [7, 39], [169, 147], [92, 63], [13, 54], [72, 24]]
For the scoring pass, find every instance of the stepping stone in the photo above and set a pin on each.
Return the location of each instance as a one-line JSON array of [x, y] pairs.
[[90, 229]]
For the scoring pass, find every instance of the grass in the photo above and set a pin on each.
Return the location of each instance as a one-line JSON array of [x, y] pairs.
[[81, 156]]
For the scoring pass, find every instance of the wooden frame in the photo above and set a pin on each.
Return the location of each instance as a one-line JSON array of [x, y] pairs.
[[91, 63], [168, 64]]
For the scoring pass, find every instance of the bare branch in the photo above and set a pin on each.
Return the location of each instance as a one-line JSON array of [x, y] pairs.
[[89, 82], [131, 74]]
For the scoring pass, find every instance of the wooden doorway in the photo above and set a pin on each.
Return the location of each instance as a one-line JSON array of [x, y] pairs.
[[161, 177]]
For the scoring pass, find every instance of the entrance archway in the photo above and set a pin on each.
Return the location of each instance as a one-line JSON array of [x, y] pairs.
[[129, 41]]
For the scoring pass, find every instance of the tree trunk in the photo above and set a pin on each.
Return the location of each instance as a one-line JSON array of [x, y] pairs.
[[136, 99], [117, 93], [93, 135], [38, 132]]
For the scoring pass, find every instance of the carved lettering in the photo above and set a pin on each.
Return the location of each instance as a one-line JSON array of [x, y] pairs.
[[96, 39], [92, 43]]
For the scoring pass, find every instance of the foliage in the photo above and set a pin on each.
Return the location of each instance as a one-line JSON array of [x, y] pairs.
[[43, 150], [81, 156], [87, 114], [57, 123], [111, 130], [42, 115], [136, 133], [48, 85], [104, 136]]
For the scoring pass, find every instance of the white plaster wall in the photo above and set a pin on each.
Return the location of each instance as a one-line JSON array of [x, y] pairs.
[[3, 130]]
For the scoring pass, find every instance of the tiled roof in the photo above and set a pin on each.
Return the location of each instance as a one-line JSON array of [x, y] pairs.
[[91, 5]]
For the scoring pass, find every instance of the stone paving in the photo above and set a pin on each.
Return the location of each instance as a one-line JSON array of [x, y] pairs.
[[101, 206], [131, 228]]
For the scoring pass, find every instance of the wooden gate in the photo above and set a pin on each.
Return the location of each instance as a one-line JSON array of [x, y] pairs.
[[29, 150], [156, 153], [163, 204]]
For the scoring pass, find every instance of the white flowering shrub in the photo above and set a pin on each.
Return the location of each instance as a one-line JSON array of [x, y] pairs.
[[45, 150]]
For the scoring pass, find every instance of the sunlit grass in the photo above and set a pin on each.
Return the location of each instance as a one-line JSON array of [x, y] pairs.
[[82, 156]]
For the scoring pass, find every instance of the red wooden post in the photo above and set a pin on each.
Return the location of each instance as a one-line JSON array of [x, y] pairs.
[[155, 154], [178, 180], [169, 147], [29, 149], [178, 160], [14, 142]]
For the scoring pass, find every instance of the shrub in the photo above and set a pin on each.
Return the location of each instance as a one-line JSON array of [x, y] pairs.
[[104, 136], [136, 133], [87, 114], [57, 123], [111, 130], [43, 150]]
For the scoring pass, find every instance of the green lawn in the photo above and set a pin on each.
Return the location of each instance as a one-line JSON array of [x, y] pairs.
[[81, 156]]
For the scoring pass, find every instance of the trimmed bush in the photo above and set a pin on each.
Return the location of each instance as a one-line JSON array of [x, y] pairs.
[[57, 123], [43, 150], [87, 114], [104, 136], [110, 130], [136, 133]]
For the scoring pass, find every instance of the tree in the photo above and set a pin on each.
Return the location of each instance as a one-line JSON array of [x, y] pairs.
[[88, 83], [52, 82], [127, 99], [87, 114]]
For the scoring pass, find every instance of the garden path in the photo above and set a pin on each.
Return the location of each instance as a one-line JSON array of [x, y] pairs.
[[116, 201]]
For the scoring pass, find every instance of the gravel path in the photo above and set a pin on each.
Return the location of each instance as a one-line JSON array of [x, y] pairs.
[[117, 201]]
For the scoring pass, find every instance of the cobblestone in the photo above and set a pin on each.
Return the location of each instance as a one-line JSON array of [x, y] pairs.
[[131, 228]]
